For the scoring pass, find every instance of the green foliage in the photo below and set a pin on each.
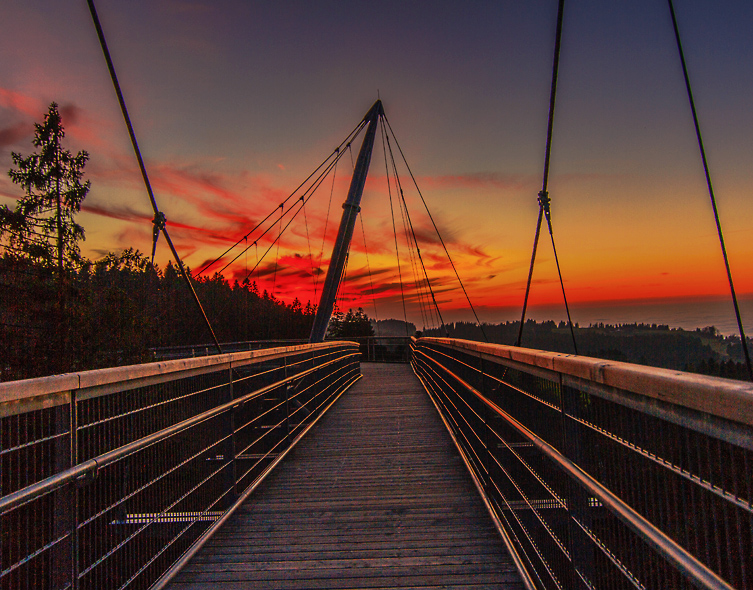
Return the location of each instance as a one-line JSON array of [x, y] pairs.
[[42, 227], [120, 308], [349, 325]]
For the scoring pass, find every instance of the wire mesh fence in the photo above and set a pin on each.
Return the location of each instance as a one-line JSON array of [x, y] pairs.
[[603, 475], [110, 476]]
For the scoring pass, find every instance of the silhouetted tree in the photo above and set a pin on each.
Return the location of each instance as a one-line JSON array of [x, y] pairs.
[[42, 227], [42, 231], [349, 325]]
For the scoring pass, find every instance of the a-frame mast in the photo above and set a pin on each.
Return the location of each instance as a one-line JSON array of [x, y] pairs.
[[351, 207]]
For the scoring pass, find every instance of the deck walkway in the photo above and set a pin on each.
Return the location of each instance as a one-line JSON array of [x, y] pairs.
[[376, 496]]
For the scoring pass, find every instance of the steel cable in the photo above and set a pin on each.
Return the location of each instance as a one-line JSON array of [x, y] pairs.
[[159, 217], [543, 197], [711, 191], [436, 229], [394, 231], [336, 153]]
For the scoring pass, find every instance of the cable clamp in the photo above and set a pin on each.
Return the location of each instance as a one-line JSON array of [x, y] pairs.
[[159, 225], [544, 200], [159, 221]]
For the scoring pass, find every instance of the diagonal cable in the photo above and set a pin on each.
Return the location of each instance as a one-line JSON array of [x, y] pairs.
[[436, 229], [159, 217], [394, 230], [711, 192], [543, 197], [422, 295], [281, 207], [336, 153], [413, 233]]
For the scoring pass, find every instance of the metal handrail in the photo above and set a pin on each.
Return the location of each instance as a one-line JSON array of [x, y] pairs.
[[98, 466], [724, 398], [93, 465], [511, 549], [674, 553], [102, 381], [584, 461]]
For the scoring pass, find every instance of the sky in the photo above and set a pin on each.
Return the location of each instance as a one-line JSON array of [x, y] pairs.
[[235, 103]]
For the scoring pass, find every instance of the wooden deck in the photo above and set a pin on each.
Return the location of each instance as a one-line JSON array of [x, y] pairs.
[[376, 496]]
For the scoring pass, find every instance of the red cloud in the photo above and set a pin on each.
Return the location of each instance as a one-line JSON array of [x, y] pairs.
[[20, 103]]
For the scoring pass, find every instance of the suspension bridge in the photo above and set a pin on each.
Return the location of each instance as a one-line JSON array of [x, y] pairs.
[[456, 464]]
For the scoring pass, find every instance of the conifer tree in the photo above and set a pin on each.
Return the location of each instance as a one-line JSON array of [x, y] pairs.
[[42, 227]]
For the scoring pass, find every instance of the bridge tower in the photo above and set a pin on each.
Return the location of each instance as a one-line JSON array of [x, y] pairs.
[[351, 207]]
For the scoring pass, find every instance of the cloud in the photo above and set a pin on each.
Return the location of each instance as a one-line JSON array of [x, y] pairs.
[[79, 125], [10, 136], [21, 103], [117, 212], [214, 193], [70, 114]]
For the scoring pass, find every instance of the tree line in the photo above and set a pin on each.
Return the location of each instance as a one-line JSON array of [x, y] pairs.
[[703, 350]]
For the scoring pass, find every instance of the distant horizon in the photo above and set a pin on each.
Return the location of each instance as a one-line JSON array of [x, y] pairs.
[[688, 313]]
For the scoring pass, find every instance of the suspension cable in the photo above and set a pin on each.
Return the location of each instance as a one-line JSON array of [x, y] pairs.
[[307, 193], [436, 229], [368, 269], [279, 235], [159, 217], [303, 200], [394, 231], [282, 214], [543, 197], [277, 256], [308, 242], [335, 153], [413, 233], [324, 233], [424, 303], [424, 299], [711, 191]]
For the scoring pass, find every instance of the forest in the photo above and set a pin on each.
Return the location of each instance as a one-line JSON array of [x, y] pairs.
[[116, 310]]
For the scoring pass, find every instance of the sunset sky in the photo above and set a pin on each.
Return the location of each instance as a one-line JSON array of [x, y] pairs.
[[234, 103]]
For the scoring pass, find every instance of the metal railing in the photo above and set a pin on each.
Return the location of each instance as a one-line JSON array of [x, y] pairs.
[[107, 477], [167, 353], [602, 474], [375, 349]]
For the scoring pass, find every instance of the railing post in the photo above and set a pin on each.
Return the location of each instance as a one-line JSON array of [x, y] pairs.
[[229, 446], [578, 509], [287, 396], [63, 554], [75, 549]]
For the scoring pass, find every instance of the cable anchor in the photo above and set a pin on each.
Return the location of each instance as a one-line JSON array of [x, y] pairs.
[[544, 202], [159, 225]]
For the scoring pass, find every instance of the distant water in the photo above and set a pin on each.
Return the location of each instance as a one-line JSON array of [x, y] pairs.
[[685, 314]]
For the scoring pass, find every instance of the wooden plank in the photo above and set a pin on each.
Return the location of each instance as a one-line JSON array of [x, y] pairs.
[[376, 496]]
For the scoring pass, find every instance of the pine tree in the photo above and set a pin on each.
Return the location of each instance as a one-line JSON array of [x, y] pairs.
[[42, 227], [41, 232]]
